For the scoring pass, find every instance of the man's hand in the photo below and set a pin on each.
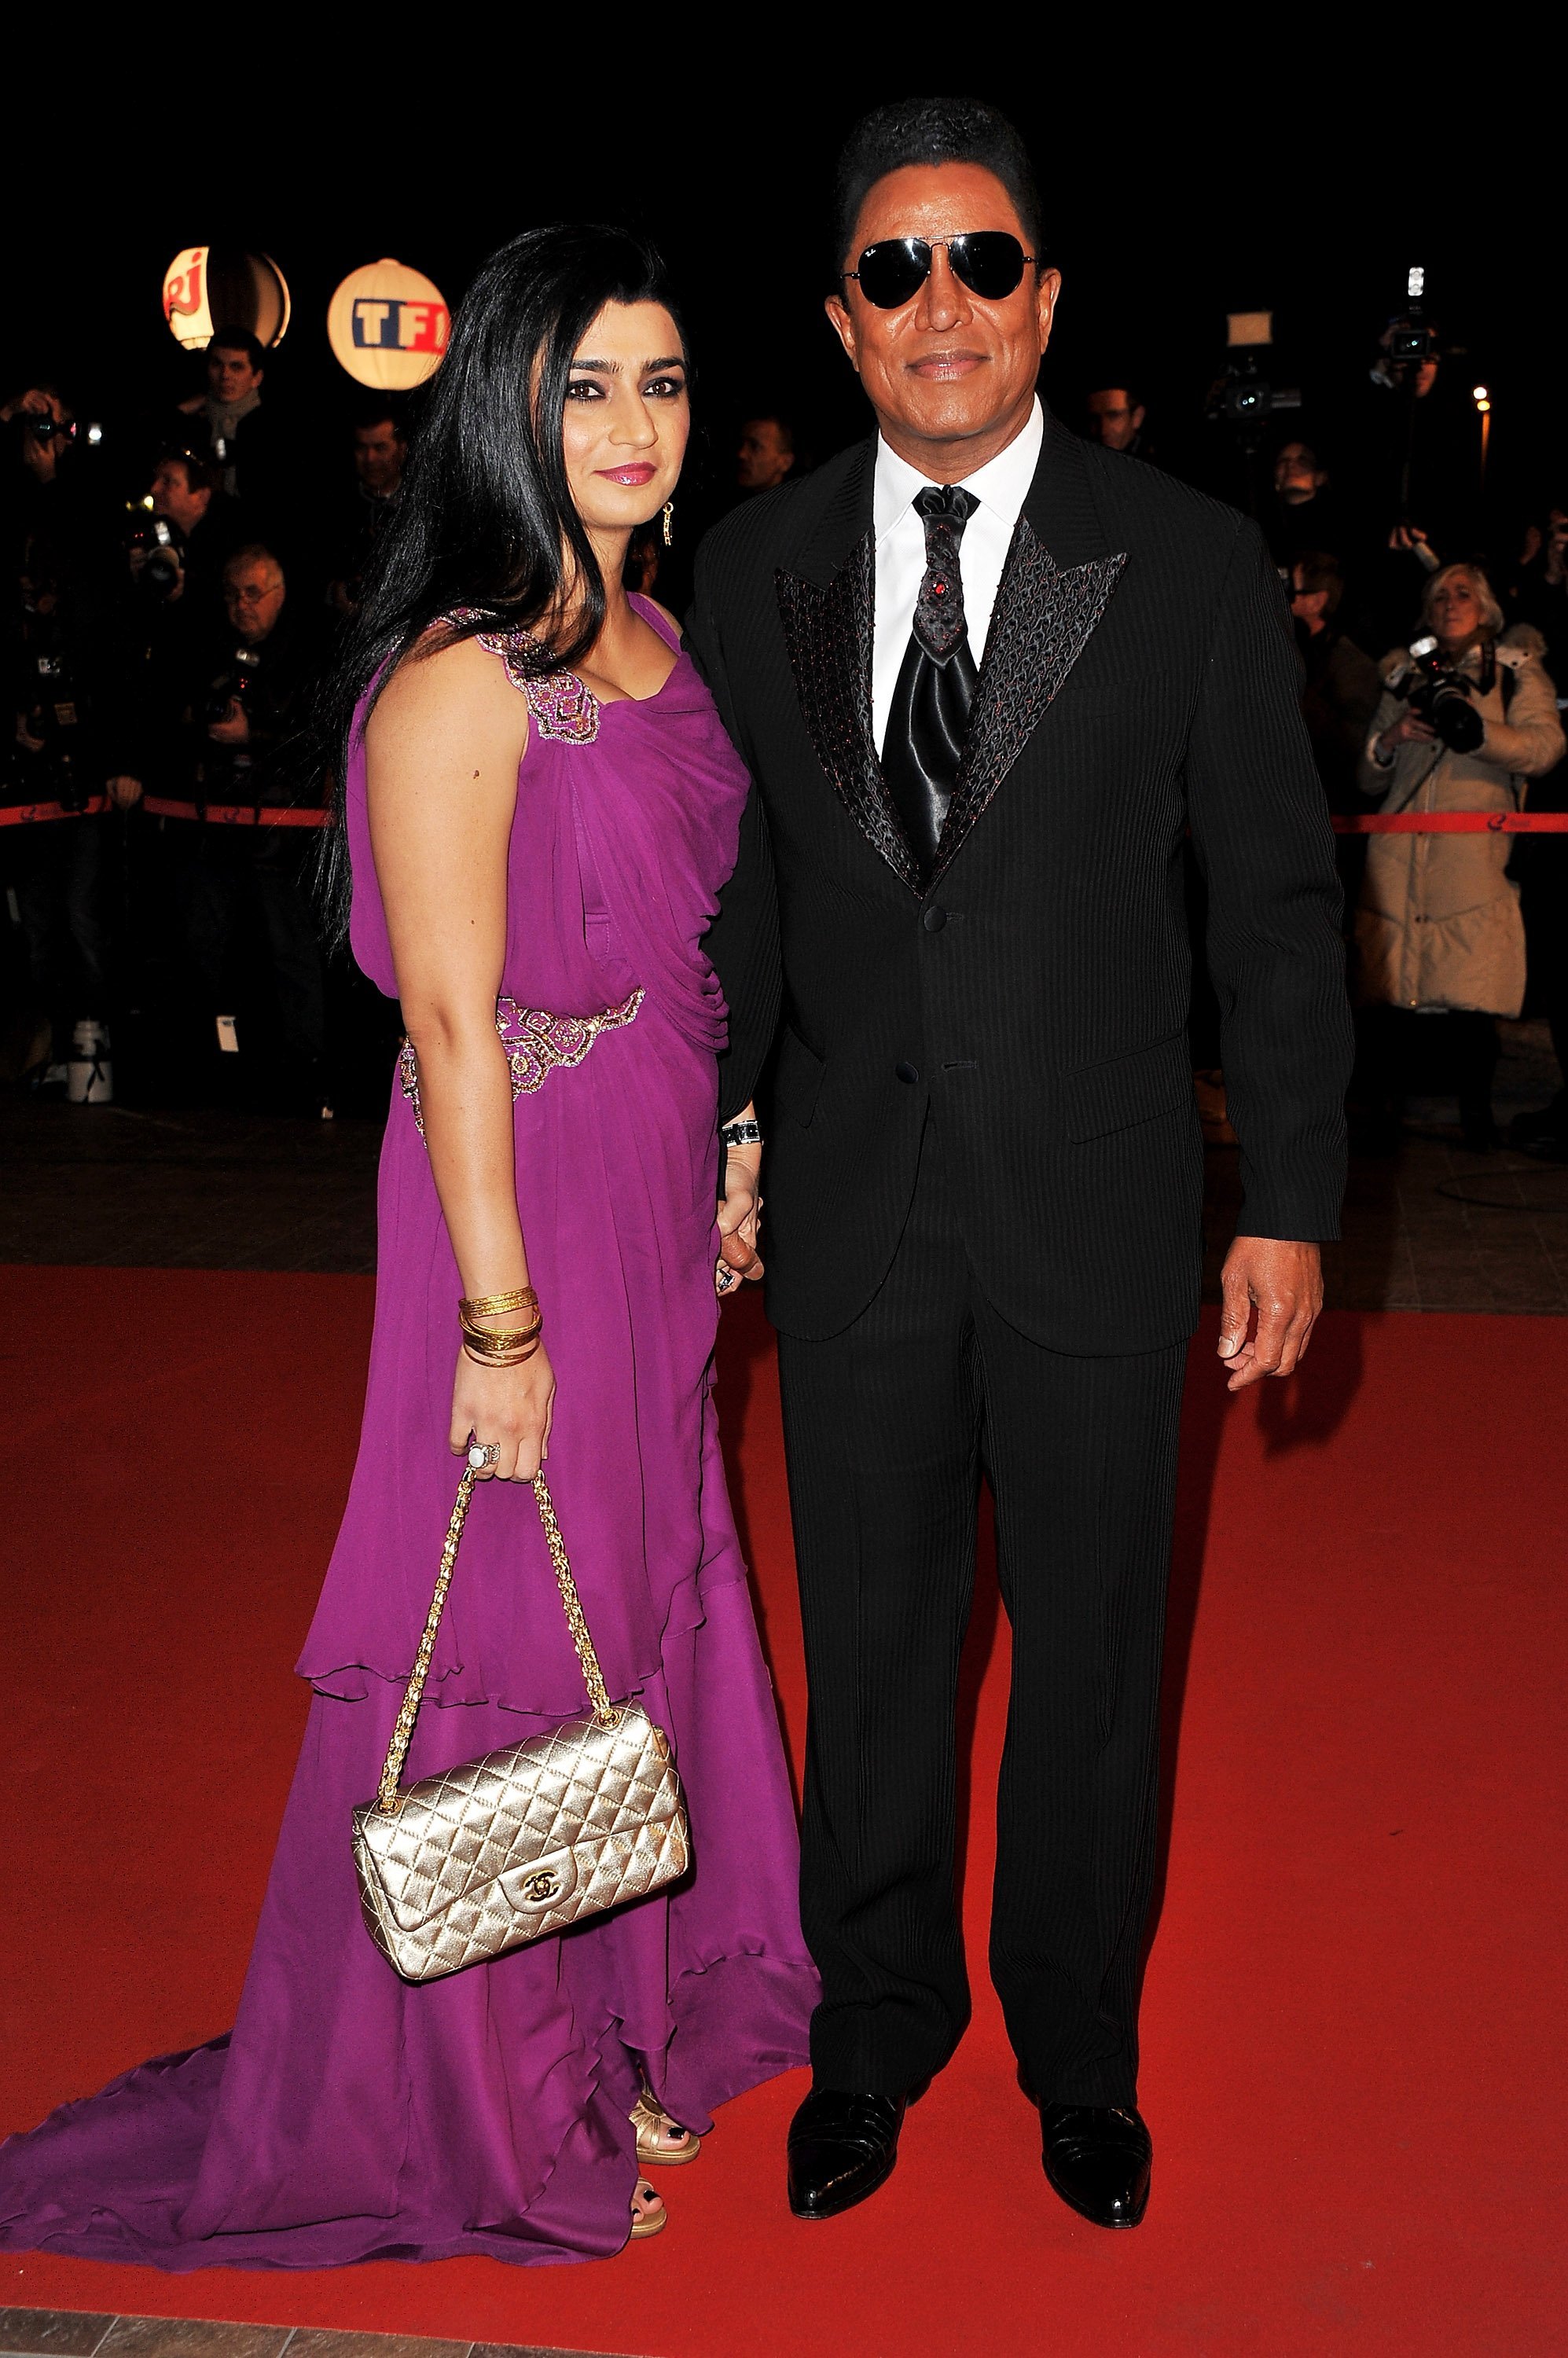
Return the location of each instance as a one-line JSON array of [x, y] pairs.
[[234, 729], [1283, 1282], [738, 1211], [124, 791]]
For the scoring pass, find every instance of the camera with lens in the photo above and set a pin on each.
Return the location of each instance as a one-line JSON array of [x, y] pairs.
[[1443, 696], [162, 565], [57, 719], [232, 687], [1244, 397], [44, 426]]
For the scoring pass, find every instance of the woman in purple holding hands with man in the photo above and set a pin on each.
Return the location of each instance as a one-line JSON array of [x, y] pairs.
[[540, 807]]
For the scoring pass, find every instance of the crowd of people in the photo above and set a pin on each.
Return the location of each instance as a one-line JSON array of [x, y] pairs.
[[159, 822], [1392, 561]]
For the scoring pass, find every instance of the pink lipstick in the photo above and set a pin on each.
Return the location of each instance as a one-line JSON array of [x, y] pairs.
[[633, 476]]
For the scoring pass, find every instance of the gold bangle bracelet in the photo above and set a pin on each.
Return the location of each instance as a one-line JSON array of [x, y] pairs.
[[507, 1359], [495, 1346], [497, 1305]]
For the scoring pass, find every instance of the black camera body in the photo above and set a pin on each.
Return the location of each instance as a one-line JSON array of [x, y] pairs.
[[1443, 696], [43, 427], [232, 687], [159, 577], [1411, 340]]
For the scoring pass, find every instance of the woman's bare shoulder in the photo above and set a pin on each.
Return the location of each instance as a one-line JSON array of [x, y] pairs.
[[673, 620], [446, 689]]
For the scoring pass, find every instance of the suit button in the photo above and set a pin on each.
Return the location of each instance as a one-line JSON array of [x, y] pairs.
[[905, 1072], [934, 920]]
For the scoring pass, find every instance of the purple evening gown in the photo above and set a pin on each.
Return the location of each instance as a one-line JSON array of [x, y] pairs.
[[349, 2116]]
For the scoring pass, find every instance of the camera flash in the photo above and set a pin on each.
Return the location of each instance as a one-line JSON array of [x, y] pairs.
[[1249, 328], [1478, 393], [1415, 284]]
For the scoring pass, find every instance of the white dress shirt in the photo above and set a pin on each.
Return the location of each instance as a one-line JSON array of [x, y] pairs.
[[1002, 486]]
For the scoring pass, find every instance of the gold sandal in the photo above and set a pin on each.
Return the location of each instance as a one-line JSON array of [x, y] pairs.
[[643, 2223], [651, 2124]]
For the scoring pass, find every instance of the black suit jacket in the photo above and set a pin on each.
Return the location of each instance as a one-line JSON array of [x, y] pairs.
[[1139, 679]]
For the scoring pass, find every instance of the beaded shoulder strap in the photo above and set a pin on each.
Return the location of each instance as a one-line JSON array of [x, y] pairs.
[[558, 703]]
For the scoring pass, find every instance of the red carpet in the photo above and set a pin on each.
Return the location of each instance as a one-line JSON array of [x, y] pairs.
[[1353, 2053]]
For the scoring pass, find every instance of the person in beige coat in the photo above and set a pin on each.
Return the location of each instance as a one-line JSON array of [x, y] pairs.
[[1438, 929]]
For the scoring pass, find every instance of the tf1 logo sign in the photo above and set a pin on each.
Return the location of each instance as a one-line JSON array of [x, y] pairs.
[[383, 323]]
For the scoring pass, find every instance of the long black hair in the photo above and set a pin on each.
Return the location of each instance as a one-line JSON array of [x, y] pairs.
[[485, 518]]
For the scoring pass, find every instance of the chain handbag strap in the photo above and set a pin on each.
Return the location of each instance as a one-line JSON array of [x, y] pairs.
[[603, 1709]]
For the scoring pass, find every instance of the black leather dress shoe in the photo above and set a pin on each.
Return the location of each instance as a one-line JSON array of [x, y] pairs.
[[1098, 2158], [843, 2143]]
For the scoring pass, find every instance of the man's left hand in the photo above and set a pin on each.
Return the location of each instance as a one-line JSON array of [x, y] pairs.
[[1283, 1282], [739, 1208], [234, 729]]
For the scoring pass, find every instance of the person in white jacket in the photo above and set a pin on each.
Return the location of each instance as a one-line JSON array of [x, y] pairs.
[[1438, 929]]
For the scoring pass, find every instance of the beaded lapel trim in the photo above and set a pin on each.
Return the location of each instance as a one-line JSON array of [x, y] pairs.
[[1042, 619], [1041, 623], [537, 1044], [828, 635], [558, 703]]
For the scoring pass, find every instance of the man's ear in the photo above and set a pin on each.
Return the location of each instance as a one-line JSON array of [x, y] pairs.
[[1138, 419], [1048, 291], [843, 328]]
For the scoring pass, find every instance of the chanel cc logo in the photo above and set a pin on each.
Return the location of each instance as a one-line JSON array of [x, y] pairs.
[[544, 1885]]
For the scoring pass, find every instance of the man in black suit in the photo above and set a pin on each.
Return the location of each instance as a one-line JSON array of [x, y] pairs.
[[986, 678]]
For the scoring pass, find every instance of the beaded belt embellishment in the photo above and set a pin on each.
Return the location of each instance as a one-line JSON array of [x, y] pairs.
[[535, 1042]]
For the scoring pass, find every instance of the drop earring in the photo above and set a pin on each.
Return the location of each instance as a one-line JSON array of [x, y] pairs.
[[669, 511]]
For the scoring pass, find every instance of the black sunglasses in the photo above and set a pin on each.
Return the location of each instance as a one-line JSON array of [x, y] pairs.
[[990, 262]]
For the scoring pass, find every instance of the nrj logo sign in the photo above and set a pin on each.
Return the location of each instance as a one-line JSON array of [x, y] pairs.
[[382, 324]]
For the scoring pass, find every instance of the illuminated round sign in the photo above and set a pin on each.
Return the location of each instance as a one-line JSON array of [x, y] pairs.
[[388, 326], [209, 286]]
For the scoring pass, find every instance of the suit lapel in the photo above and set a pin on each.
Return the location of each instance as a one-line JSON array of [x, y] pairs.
[[1057, 583], [826, 607], [1043, 616]]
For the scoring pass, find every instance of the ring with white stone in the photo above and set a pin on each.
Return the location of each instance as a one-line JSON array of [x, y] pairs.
[[482, 1453]]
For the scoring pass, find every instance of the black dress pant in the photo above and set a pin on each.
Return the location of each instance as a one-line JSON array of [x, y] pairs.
[[887, 1428], [232, 873]]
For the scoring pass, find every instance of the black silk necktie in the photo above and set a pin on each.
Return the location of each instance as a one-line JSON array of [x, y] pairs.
[[930, 712]]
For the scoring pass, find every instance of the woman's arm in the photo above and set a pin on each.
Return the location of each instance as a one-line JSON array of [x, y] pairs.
[[1392, 725], [442, 751], [1529, 741]]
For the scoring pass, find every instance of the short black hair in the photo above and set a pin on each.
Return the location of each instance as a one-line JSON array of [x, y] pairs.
[[238, 339], [932, 131], [379, 409]]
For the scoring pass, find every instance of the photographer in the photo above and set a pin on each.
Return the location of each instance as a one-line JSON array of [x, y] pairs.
[[1465, 720], [255, 682], [1342, 685], [1114, 418], [55, 857], [380, 453], [204, 529], [48, 482]]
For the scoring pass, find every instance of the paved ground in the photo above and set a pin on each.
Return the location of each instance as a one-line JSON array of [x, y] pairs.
[[69, 2334], [1431, 1227]]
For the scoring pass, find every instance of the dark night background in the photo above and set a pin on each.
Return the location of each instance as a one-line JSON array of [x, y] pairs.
[[1275, 191]]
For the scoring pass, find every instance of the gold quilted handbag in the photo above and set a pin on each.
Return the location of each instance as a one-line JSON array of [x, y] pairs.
[[468, 1864]]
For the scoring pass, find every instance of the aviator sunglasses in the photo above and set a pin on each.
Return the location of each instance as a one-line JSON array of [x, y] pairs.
[[990, 262]]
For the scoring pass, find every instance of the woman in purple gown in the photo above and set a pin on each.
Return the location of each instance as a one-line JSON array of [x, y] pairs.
[[540, 807]]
